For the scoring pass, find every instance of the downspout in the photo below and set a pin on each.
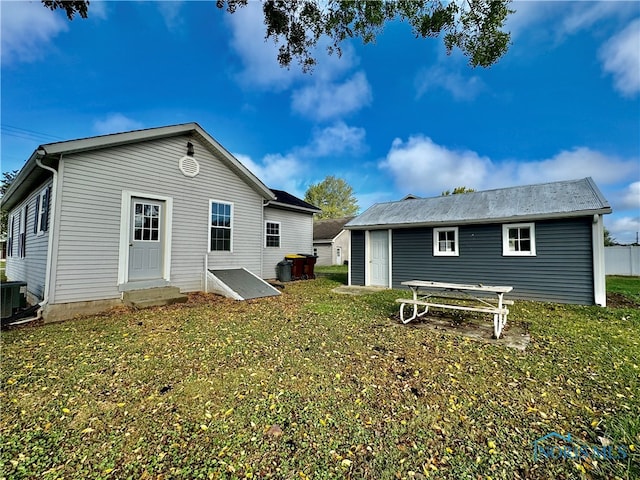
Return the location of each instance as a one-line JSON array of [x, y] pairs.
[[265, 204], [52, 209], [599, 278]]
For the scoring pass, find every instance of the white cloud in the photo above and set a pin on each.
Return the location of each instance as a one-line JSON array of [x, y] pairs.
[[583, 15], [259, 57], [577, 163], [277, 171], [171, 13], [459, 87], [423, 167], [623, 229], [630, 198], [27, 30], [290, 171], [325, 101], [98, 10], [260, 67], [420, 166], [562, 19], [336, 139], [115, 123], [620, 57]]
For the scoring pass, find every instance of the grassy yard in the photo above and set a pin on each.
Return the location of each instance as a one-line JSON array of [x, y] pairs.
[[314, 384], [626, 286]]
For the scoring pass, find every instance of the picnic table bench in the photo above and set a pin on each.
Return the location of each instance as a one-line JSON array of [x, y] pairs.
[[476, 298]]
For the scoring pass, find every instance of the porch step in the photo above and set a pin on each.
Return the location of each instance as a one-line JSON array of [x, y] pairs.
[[153, 297]]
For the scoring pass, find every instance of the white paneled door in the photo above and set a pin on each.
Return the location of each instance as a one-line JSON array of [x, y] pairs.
[[379, 258], [146, 239]]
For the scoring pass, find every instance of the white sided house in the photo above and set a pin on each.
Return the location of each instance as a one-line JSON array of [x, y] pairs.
[[95, 218], [331, 242]]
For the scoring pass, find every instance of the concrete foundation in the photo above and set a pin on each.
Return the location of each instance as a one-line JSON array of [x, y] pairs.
[[65, 311]]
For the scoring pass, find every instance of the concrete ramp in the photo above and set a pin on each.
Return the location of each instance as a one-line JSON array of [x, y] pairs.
[[239, 284]]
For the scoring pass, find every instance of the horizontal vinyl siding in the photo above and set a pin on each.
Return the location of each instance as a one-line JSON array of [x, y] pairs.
[[357, 257], [343, 241], [93, 182], [296, 236], [32, 268], [325, 253], [561, 271]]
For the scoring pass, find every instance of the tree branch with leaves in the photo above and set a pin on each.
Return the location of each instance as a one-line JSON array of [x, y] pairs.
[[475, 27]]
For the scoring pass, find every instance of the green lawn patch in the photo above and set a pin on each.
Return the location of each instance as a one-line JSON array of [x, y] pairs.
[[313, 384], [337, 273], [628, 287]]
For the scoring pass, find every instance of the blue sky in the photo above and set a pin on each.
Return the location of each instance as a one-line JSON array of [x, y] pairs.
[[391, 118]]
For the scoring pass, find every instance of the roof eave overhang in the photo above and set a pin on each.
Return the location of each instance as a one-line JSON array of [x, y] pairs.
[[287, 206], [23, 182], [511, 219]]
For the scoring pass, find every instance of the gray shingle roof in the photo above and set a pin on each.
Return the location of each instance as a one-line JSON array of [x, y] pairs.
[[547, 200], [288, 199], [329, 229]]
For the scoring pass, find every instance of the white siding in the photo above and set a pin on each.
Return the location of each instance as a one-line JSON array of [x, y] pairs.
[[343, 240], [324, 252], [296, 236], [88, 242], [31, 268], [622, 260], [327, 252]]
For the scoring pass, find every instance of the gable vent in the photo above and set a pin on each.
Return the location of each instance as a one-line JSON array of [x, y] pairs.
[[189, 166]]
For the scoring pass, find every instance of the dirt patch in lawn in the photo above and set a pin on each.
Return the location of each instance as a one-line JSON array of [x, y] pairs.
[[617, 300], [513, 336]]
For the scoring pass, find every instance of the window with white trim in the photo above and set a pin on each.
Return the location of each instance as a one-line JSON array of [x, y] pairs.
[[445, 242], [22, 236], [221, 226], [272, 234], [41, 213], [519, 239], [11, 229]]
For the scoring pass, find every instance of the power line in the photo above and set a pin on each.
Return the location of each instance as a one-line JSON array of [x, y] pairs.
[[27, 134]]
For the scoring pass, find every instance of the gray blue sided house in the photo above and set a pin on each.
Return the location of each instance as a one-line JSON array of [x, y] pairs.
[[92, 220], [545, 240]]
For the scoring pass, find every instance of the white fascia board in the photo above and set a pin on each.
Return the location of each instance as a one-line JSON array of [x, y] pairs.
[[514, 219], [288, 206]]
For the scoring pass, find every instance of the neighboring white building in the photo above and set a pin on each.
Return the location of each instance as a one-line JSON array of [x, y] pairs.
[[92, 218], [622, 260], [331, 242]]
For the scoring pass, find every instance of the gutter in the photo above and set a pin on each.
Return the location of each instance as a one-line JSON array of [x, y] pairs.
[[41, 153], [288, 206]]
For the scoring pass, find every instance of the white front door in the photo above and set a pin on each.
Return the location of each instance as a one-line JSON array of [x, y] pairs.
[[146, 249], [338, 255], [379, 258]]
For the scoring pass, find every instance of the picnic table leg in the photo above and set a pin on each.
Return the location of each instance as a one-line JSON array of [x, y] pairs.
[[499, 319], [415, 313]]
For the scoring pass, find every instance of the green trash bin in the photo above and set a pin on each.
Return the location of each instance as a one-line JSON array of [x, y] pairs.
[[283, 271]]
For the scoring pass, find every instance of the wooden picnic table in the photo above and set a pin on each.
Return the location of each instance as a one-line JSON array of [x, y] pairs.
[[477, 298]]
